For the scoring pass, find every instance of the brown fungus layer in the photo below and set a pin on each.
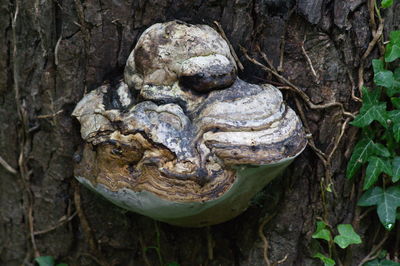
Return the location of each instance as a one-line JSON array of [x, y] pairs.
[[179, 152]]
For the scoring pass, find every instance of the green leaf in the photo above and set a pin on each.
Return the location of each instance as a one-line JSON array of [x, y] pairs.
[[62, 264], [45, 261], [395, 37], [378, 262], [394, 116], [387, 201], [371, 97], [396, 101], [371, 113], [381, 150], [378, 65], [363, 149], [396, 131], [347, 236], [321, 232], [386, 3], [388, 206], [396, 169], [392, 52], [375, 167], [396, 74], [327, 261], [371, 197], [384, 78]]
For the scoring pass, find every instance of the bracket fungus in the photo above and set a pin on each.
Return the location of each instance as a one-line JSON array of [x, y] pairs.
[[182, 139]]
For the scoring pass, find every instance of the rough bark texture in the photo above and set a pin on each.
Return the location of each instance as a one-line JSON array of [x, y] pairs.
[[58, 50]]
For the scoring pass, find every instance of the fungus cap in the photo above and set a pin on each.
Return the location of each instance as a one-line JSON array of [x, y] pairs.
[[197, 143]]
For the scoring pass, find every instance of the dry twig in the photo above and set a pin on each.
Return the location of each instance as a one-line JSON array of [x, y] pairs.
[[297, 90], [8, 167], [86, 227], [310, 64], [63, 220], [325, 159], [56, 50], [283, 41], [374, 251], [353, 87], [23, 137], [376, 35], [264, 239], [50, 115], [222, 32]]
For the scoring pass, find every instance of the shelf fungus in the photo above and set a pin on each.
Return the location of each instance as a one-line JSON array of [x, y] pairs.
[[182, 139]]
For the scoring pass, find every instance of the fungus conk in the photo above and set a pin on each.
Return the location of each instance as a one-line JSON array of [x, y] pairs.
[[182, 139]]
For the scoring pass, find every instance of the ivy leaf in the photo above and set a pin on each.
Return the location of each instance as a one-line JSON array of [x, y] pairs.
[[396, 101], [347, 236], [396, 131], [394, 116], [363, 149], [45, 261], [386, 3], [371, 97], [378, 262], [327, 261], [378, 65], [384, 78], [396, 74], [375, 167], [321, 232], [387, 207], [371, 197], [395, 37], [392, 51], [371, 113], [387, 202], [381, 150], [396, 169]]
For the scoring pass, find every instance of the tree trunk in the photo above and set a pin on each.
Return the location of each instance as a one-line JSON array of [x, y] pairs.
[[52, 52]]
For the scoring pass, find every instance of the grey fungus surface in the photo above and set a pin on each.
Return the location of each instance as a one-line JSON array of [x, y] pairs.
[[196, 143]]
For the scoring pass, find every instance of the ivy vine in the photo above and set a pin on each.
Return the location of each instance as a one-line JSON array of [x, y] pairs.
[[379, 146]]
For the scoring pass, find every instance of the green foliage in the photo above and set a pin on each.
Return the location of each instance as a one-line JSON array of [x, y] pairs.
[[48, 261], [386, 200], [379, 147], [386, 3], [392, 51], [322, 232], [347, 236], [376, 166], [327, 261]]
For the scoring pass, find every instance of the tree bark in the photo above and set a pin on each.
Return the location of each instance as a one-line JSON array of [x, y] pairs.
[[52, 52]]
